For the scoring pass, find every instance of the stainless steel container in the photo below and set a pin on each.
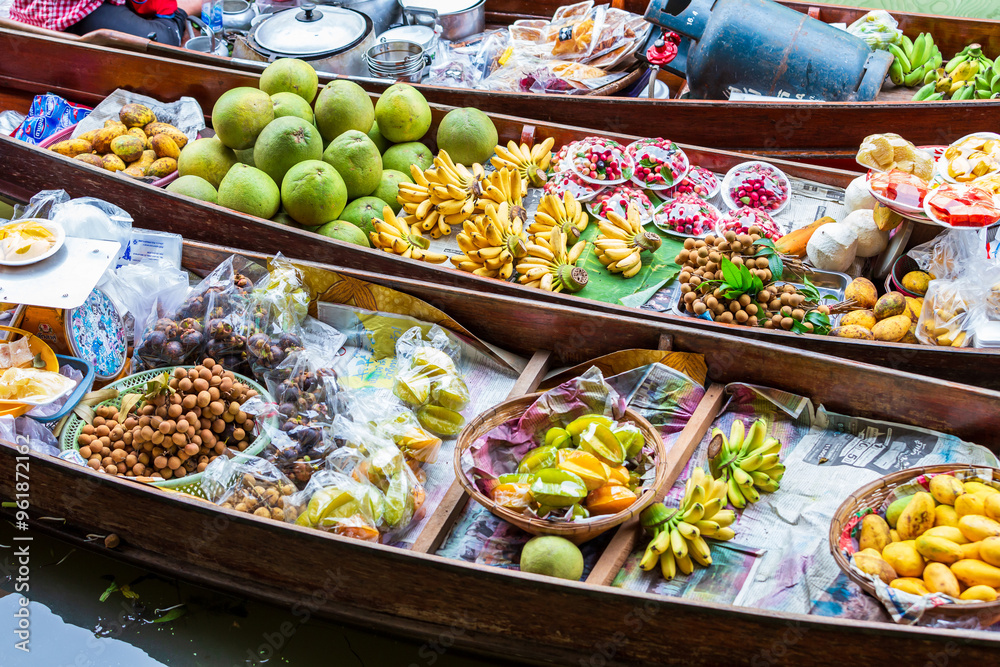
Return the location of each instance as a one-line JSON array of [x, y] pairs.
[[399, 60], [237, 14], [383, 13], [458, 18]]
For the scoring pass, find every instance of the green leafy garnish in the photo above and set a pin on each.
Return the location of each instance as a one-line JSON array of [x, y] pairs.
[[737, 280], [820, 321], [774, 261]]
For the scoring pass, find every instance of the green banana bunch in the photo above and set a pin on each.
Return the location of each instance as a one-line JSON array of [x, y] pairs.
[[913, 60], [678, 536], [748, 460]]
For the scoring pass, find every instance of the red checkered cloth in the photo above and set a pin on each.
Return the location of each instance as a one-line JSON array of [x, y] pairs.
[[55, 14]]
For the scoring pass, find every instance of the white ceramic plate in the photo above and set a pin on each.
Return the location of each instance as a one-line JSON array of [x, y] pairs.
[[731, 175], [60, 240]]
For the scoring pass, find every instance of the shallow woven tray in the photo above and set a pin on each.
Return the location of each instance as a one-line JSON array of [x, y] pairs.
[[577, 532], [871, 496], [188, 483]]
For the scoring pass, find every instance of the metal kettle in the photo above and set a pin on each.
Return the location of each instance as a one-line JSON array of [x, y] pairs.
[[761, 47]]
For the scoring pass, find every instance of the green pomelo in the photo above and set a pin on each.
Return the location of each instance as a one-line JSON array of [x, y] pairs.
[[290, 75], [249, 190], [401, 156], [361, 212], [357, 160], [381, 142], [402, 113], [468, 135], [290, 104], [284, 143], [313, 193], [282, 218], [552, 556], [388, 187], [245, 155], [207, 158], [240, 115], [343, 105], [344, 231], [194, 186]]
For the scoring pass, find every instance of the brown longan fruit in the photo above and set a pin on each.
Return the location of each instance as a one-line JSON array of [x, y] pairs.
[[173, 463], [204, 373], [786, 323], [751, 321], [87, 429], [215, 382], [763, 296], [105, 440], [683, 278], [175, 411], [204, 398], [768, 324], [798, 314], [118, 455], [745, 300], [111, 469], [102, 430], [725, 318], [688, 243], [699, 308], [239, 433], [730, 236], [774, 305], [786, 311], [161, 412], [218, 426], [742, 317], [214, 393], [179, 439], [750, 263], [182, 425], [734, 306], [200, 385], [711, 302], [809, 327], [824, 309], [157, 437], [85, 452], [139, 469], [98, 421], [751, 309], [167, 426]]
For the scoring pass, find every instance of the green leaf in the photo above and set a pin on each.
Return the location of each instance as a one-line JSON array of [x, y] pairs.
[[107, 593], [668, 175], [829, 297], [776, 265], [173, 613], [730, 272], [758, 284], [766, 242]]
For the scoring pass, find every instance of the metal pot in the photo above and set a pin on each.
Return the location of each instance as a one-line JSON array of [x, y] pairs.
[[383, 13], [332, 39], [237, 14], [458, 18]]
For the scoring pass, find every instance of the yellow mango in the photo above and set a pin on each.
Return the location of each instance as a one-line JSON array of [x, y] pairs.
[[891, 329], [855, 331], [872, 552], [971, 503], [978, 528], [939, 579], [951, 533], [875, 566], [979, 594], [874, 533], [911, 585], [917, 517], [976, 487], [992, 506], [971, 550], [904, 558], [861, 318], [71, 147], [894, 535], [938, 549], [989, 551], [945, 489], [913, 308], [945, 515], [976, 573]]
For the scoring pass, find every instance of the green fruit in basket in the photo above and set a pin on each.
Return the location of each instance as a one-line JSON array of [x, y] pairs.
[[557, 488], [580, 424], [432, 362], [537, 459], [412, 388], [440, 421], [516, 478], [558, 438], [896, 508], [450, 392], [580, 512], [600, 441], [630, 438]]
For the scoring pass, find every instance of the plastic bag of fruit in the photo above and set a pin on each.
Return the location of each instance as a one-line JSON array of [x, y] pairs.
[[252, 485], [949, 254], [396, 421], [340, 504], [878, 29], [945, 319], [276, 310], [429, 381]]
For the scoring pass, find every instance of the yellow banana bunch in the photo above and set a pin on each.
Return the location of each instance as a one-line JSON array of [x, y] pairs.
[[442, 196], [530, 162], [622, 241], [395, 236], [550, 266], [749, 460], [565, 214], [503, 186], [492, 242], [679, 535]]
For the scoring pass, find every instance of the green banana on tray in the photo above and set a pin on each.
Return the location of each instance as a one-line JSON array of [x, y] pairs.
[[969, 75]]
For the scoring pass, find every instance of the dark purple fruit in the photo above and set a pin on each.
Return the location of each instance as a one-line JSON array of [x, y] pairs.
[[191, 339], [173, 352]]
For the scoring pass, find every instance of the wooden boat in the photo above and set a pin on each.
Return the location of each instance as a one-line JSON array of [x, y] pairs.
[[796, 130], [519, 616], [27, 170]]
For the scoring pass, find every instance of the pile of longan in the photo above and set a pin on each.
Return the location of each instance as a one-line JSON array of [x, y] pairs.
[[262, 498], [172, 435]]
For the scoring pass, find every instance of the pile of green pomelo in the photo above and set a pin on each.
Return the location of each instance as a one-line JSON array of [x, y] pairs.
[[329, 167]]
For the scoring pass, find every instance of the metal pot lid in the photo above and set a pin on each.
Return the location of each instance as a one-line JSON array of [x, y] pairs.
[[442, 6], [309, 30], [418, 34]]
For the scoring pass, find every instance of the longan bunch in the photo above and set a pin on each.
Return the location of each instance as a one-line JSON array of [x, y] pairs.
[[176, 434], [785, 306], [702, 258], [262, 498]]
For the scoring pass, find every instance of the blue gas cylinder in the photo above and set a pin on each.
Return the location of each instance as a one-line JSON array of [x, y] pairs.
[[761, 47]]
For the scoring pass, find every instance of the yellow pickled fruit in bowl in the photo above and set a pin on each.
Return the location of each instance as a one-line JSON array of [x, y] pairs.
[[979, 594], [874, 534], [450, 391], [602, 443], [412, 388], [630, 438], [874, 565], [537, 459], [951, 533], [992, 506], [441, 421], [971, 503], [610, 499], [911, 585], [917, 517], [432, 362], [558, 437], [977, 528], [976, 487], [945, 515], [576, 427], [904, 558], [557, 488], [939, 579], [945, 489], [585, 465], [976, 573], [989, 551], [513, 496], [938, 549]]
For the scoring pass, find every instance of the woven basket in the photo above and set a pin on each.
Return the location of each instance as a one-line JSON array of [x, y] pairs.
[[577, 532], [872, 496], [191, 483]]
